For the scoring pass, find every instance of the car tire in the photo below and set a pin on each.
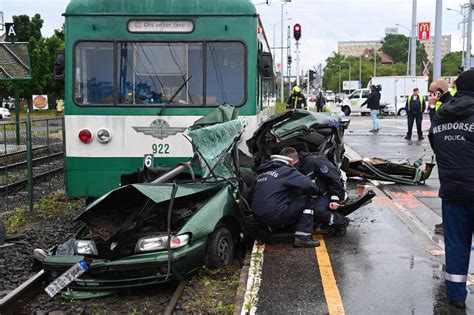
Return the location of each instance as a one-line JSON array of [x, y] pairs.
[[346, 110], [3, 233], [220, 248], [402, 112]]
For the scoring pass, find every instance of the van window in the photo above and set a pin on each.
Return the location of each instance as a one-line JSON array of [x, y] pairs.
[[365, 94], [356, 94]]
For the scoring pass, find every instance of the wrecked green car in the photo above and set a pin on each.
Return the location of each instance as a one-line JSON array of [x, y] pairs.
[[149, 233]]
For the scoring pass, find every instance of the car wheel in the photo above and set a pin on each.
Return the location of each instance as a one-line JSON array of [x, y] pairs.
[[3, 233], [220, 248], [346, 110], [402, 112]]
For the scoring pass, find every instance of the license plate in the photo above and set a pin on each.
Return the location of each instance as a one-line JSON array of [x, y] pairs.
[[66, 278]]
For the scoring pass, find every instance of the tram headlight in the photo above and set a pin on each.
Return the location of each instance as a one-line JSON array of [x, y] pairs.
[[85, 135], [104, 136], [86, 248]]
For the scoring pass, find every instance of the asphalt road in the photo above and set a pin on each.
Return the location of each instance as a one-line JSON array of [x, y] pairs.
[[390, 261]]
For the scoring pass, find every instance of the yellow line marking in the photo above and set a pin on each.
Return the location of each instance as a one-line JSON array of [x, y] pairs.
[[331, 291]]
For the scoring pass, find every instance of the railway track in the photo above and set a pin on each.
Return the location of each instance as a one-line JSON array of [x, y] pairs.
[[11, 303], [36, 162]]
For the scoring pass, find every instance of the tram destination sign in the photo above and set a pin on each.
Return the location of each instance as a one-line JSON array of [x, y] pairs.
[[160, 26]]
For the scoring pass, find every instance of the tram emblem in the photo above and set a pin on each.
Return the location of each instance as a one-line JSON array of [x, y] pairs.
[[160, 129]]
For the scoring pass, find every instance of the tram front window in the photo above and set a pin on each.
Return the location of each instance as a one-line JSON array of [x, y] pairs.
[[225, 73], [161, 73], [94, 73]]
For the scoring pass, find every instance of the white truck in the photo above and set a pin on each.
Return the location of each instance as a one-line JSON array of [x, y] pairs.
[[394, 90]]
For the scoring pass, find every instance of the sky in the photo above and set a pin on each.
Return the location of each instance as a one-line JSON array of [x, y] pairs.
[[323, 22]]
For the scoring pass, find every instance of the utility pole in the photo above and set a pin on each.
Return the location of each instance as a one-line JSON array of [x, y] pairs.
[[375, 63], [288, 40], [297, 63], [282, 83], [360, 71], [413, 40], [467, 59], [437, 40]]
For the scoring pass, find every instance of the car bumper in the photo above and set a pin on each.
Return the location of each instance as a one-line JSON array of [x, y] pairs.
[[132, 271]]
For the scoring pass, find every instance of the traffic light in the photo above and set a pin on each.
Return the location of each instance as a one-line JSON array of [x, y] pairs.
[[289, 60], [311, 75], [460, 70], [297, 31]]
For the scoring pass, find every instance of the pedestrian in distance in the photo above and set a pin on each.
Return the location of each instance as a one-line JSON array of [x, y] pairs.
[[281, 195], [320, 102], [439, 95], [373, 103], [415, 107], [296, 100], [452, 138]]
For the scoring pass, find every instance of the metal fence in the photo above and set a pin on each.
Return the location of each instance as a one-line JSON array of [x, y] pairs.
[[31, 161]]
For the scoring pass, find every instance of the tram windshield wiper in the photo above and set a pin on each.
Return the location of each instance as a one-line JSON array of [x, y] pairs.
[[174, 95]]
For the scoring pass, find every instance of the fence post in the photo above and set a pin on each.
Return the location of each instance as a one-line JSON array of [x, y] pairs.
[[6, 166], [17, 110], [29, 161]]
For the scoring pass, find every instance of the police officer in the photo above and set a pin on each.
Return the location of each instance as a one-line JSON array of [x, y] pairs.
[[296, 100], [281, 194], [415, 106], [452, 138], [439, 94], [329, 182], [320, 102]]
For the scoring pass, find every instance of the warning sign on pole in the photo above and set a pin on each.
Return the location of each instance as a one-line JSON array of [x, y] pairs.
[[424, 29]]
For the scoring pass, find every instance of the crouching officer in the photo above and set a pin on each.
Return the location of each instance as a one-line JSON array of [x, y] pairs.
[[328, 180], [296, 100], [281, 194], [452, 138]]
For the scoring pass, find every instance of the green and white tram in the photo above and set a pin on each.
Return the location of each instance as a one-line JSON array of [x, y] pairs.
[[138, 73]]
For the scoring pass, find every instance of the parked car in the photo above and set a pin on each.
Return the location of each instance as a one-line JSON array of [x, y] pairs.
[[400, 109], [330, 96], [4, 113]]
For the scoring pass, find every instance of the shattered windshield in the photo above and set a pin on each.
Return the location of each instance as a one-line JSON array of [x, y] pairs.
[[306, 119], [214, 144]]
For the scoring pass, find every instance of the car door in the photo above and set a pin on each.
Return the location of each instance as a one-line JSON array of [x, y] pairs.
[[363, 98], [354, 101]]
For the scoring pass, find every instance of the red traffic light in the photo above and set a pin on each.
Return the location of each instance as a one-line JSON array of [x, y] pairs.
[[297, 31]]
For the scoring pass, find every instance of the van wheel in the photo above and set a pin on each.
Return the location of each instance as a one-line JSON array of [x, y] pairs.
[[402, 112], [220, 248], [346, 110]]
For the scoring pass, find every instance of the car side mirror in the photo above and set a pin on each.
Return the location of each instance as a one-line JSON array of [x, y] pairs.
[[265, 65], [59, 65]]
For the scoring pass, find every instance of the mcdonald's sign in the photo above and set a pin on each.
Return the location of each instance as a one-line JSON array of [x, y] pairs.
[[424, 29]]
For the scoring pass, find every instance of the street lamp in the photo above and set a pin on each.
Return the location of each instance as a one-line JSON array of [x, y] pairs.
[[464, 21], [409, 47], [350, 70], [274, 25], [339, 85], [282, 85]]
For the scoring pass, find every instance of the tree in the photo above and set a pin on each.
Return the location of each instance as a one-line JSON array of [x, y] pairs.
[[450, 63], [27, 28], [396, 46]]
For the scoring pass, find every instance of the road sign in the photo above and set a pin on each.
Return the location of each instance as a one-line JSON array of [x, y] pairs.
[[350, 85], [424, 29], [10, 32]]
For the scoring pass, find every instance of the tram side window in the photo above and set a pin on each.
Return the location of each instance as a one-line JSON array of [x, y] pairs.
[[94, 75], [225, 73], [161, 73]]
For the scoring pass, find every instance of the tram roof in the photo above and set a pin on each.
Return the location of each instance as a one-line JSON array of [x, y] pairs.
[[160, 7]]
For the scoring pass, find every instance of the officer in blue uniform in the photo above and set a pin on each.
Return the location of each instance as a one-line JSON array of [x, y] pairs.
[[281, 195], [452, 138], [328, 179]]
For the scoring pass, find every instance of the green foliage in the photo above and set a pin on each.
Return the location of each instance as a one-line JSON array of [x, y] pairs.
[[450, 63], [396, 46]]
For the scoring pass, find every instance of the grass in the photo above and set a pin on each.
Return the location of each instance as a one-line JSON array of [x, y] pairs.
[[214, 291], [46, 209]]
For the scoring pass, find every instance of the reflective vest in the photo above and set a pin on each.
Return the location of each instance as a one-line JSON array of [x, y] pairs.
[[422, 102], [438, 105]]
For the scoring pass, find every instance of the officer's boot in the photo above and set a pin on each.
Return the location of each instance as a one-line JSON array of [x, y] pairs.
[[304, 230], [339, 223]]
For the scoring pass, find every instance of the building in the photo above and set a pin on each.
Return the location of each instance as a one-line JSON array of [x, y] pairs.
[[357, 48]]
